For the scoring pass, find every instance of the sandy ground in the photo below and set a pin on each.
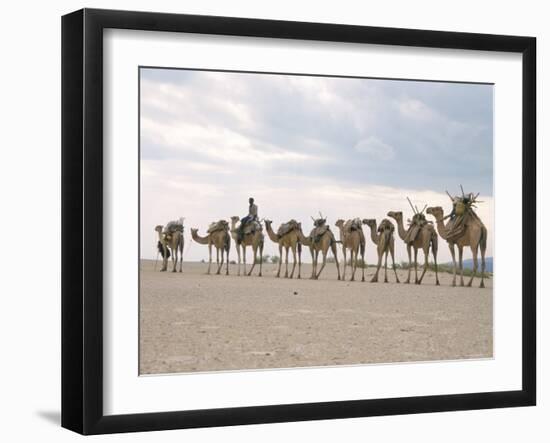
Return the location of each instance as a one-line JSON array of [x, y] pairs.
[[196, 322]]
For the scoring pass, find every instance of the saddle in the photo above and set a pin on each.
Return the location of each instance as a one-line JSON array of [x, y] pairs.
[[220, 225], [285, 228], [386, 225], [251, 227], [353, 225], [171, 228], [415, 226]]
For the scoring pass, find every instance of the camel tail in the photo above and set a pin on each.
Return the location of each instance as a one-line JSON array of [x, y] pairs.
[[483, 239]]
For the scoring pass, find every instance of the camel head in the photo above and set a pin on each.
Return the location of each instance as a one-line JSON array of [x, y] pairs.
[[436, 211], [339, 223], [396, 215], [158, 228], [370, 222], [267, 222], [194, 231], [235, 218]]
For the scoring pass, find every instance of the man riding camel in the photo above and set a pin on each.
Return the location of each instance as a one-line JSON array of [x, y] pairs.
[[251, 217]]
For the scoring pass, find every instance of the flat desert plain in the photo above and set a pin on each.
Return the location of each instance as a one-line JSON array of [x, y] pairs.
[[193, 322]]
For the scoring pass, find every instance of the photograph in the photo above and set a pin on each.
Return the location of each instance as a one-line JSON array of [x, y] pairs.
[[302, 220]]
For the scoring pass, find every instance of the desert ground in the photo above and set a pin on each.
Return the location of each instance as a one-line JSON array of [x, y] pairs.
[[193, 322]]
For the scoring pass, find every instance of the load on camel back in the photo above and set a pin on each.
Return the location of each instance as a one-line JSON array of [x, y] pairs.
[[220, 225], [285, 228], [172, 227], [463, 210], [353, 225], [416, 224], [319, 228], [251, 227]]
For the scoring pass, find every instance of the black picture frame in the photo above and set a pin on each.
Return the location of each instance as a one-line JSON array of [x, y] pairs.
[[82, 219]]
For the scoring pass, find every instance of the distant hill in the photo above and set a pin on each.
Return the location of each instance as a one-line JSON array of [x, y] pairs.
[[469, 264]]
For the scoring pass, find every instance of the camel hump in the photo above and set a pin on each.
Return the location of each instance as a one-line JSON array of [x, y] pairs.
[[174, 226], [220, 225], [354, 224], [285, 228], [386, 225]]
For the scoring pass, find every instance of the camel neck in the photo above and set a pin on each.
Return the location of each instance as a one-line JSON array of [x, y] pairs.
[[270, 233], [373, 235], [201, 240], [401, 228]]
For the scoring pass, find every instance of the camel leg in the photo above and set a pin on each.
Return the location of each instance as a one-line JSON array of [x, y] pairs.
[[386, 266], [323, 265], [261, 258], [209, 258], [280, 260], [426, 256], [393, 262], [452, 249], [293, 261], [345, 261], [254, 254], [286, 262], [374, 279], [314, 271], [482, 284], [410, 264], [353, 263], [238, 248], [335, 253], [460, 265], [364, 265], [299, 262], [226, 261], [220, 265], [175, 259], [434, 252], [474, 256], [244, 260], [415, 265], [181, 254]]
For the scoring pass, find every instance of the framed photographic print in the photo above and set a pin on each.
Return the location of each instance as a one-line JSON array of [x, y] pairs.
[[269, 221]]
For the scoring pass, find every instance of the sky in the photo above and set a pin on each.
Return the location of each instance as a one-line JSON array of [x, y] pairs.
[[301, 145]]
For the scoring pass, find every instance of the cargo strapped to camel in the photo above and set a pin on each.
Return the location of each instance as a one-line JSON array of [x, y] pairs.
[[220, 225], [461, 213], [320, 227], [285, 228], [416, 224], [173, 227], [386, 225], [353, 225], [251, 227]]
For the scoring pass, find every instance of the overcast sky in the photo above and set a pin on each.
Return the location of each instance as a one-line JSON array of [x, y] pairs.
[[302, 144]]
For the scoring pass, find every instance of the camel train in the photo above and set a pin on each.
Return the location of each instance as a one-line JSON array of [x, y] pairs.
[[463, 229]]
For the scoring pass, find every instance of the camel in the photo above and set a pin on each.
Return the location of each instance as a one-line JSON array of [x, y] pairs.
[[474, 236], [426, 237], [385, 243], [174, 242], [221, 241], [255, 240], [354, 240], [322, 245], [287, 241]]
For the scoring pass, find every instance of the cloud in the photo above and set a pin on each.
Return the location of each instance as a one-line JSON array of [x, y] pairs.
[[375, 148]]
